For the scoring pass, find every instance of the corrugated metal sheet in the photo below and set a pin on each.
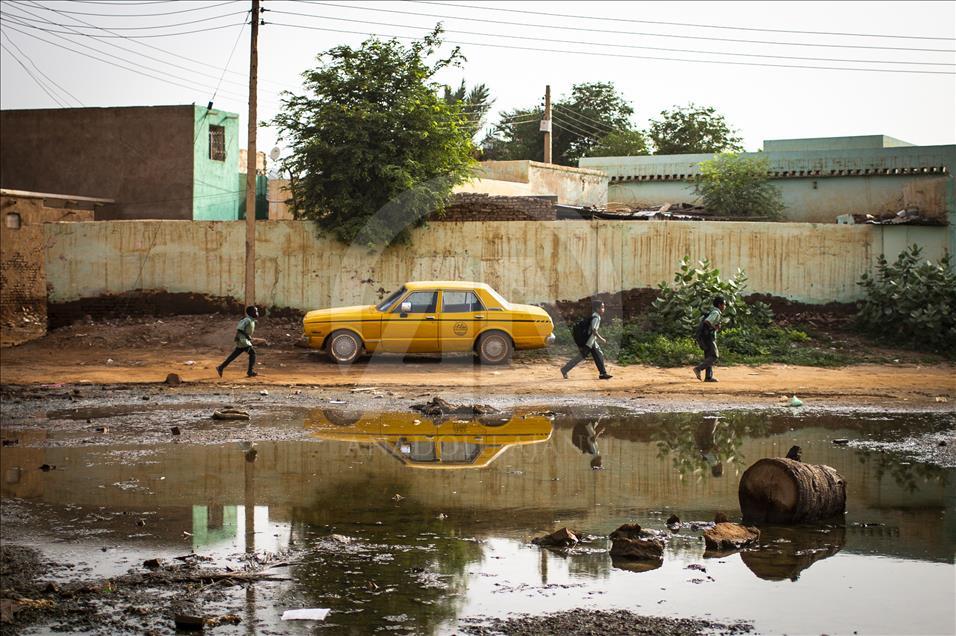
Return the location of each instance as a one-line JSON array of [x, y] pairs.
[[525, 261]]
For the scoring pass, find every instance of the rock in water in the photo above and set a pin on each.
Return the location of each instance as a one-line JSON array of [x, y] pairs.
[[729, 536], [563, 538], [630, 541]]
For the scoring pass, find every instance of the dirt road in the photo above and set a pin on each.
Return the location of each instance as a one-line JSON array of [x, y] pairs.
[[146, 351]]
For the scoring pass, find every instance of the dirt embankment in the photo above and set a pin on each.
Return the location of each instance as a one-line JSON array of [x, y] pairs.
[[145, 350]]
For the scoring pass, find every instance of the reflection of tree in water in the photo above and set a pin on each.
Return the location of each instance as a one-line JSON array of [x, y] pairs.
[[907, 475], [401, 560], [705, 444]]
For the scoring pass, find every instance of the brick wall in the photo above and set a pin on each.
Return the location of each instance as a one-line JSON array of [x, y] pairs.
[[23, 293], [485, 207]]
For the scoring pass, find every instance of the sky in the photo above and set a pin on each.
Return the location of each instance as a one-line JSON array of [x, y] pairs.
[[875, 67]]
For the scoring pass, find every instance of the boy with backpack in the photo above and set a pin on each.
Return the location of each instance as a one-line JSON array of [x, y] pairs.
[[706, 337], [586, 336]]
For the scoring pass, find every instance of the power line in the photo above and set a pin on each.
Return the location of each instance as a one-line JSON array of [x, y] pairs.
[[582, 121], [686, 24], [571, 127], [612, 31], [148, 45], [33, 64], [621, 55], [32, 76], [162, 35], [568, 130], [144, 15], [618, 46], [129, 50], [161, 26], [229, 60]]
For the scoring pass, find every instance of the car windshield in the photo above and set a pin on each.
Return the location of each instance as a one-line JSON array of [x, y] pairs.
[[385, 304], [499, 298]]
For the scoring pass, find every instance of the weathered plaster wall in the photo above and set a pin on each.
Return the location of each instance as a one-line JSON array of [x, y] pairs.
[[572, 186], [525, 261], [217, 193]]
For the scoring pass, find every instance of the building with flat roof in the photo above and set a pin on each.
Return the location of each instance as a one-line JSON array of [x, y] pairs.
[[153, 162]]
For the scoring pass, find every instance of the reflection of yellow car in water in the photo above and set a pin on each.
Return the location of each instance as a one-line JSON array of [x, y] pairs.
[[419, 441]]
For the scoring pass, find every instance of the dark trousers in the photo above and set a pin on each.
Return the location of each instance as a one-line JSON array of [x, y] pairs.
[[239, 351], [583, 352], [710, 357]]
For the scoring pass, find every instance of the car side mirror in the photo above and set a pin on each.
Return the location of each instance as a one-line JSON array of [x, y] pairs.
[[406, 307]]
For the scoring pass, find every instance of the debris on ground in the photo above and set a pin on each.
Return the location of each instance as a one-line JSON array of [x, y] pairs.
[[438, 408], [230, 414], [630, 541], [173, 379], [312, 614]]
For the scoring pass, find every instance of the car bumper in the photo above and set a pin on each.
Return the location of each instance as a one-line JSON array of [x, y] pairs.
[[550, 339]]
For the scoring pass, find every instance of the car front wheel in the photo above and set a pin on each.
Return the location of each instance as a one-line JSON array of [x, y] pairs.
[[494, 347], [344, 347]]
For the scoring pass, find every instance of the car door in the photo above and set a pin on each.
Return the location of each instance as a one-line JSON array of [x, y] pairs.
[[461, 317], [412, 324]]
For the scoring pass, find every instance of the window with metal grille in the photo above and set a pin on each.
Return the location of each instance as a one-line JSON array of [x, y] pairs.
[[217, 143]]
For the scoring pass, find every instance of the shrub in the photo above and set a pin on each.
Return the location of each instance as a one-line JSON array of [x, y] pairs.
[[679, 308], [731, 184], [912, 301]]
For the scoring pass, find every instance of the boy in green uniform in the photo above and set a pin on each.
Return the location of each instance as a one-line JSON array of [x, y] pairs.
[[244, 331], [707, 339]]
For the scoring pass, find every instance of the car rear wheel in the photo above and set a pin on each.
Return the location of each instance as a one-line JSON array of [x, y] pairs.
[[344, 347], [494, 347]]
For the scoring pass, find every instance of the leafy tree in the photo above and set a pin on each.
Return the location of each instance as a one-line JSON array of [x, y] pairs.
[[374, 147], [581, 119], [625, 143], [912, 301], [732, 184], [474, 104], [692, 129]]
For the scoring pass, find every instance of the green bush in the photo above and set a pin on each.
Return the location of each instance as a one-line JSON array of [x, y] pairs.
[[911, 301], [731, 184], [679, 308]]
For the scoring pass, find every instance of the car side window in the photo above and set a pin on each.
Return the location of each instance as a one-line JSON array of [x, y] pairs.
[[459, 302], [423, 302]]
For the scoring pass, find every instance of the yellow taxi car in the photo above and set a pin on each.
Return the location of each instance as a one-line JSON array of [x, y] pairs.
[[422, 442], [431, 317]]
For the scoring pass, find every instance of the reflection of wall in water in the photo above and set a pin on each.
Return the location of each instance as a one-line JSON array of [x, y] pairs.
[[553, 476]]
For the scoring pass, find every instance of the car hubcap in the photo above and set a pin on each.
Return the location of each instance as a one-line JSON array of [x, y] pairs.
[[344, 347], [494, 348]]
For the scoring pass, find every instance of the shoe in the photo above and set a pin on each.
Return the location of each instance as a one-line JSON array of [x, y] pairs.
[[710, 379], [606, 376], [219, 371], [251, 374], [564, 373], [697, 373]]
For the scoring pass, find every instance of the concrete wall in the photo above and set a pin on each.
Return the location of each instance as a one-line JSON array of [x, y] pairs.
[[23, 292], [526, 261], [277, 196], [572, 186]]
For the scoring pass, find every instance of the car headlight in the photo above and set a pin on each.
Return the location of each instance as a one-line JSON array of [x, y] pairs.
[[550, 339]]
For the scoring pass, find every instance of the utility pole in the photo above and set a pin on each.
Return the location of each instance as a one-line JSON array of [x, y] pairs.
[[546, 124], [251, 161]]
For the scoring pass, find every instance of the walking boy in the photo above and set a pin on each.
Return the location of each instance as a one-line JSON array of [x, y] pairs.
[[707, 339], [244, 331], [590, 346]]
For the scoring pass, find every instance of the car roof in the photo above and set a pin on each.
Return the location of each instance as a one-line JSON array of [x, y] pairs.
[[445, 284]]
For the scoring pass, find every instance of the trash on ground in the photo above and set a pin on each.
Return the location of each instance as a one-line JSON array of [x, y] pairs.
[[315, 614], [230, 414]]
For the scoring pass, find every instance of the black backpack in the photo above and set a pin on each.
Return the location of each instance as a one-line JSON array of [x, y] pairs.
[[581, 331], [704, 331]]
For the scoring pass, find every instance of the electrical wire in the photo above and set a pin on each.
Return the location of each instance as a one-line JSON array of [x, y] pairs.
[[621, 46], [150, 46], [131, 37], [32, 76], [570, 127], [38, 70], [623, 56], [685, 24], [242, 30], [161, 26], [144, 15], [616, 32], [598, 127]]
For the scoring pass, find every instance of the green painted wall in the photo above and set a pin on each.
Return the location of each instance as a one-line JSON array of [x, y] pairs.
[[262, 196], [216, 196]]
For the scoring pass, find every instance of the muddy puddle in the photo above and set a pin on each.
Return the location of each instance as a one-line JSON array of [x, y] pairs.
[[402, 523]]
